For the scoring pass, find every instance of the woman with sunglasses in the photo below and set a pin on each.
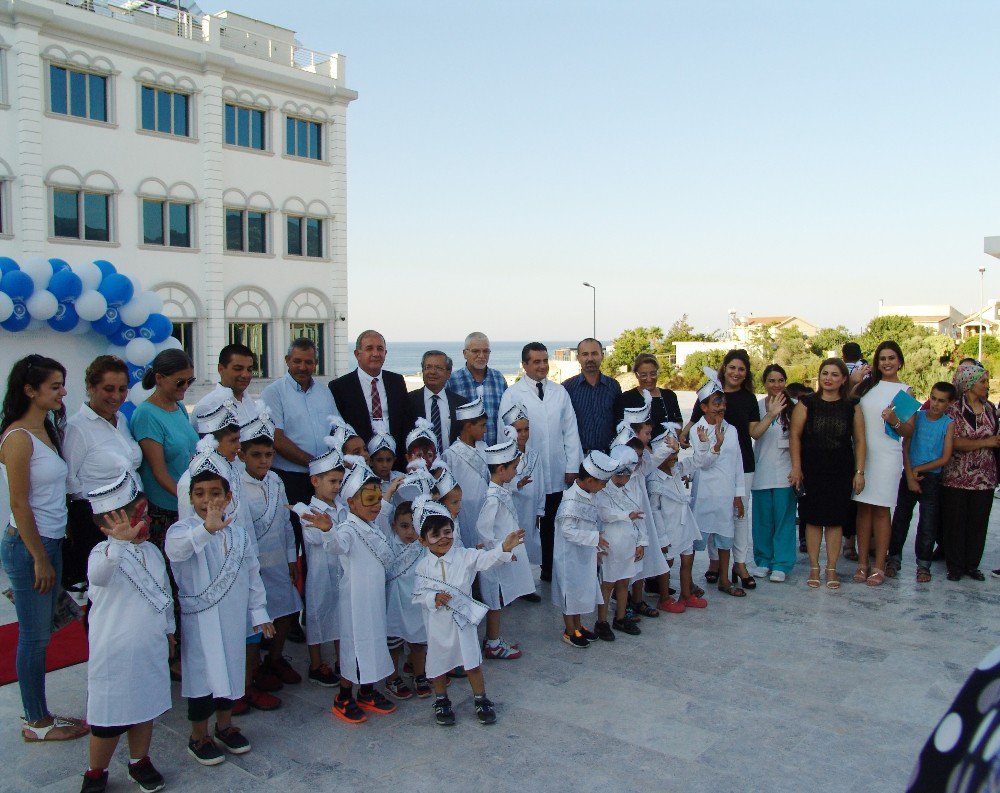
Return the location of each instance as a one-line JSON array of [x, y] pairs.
[[164, 433]]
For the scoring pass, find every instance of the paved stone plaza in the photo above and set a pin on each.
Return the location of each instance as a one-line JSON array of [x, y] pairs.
[[787, 689]]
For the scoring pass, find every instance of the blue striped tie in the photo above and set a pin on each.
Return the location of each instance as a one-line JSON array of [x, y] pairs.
[[436, 421]]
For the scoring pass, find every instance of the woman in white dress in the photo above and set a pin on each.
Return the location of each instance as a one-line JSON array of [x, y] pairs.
[[884, 460]]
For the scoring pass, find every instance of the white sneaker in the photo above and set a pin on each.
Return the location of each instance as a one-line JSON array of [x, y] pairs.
[[777, 577], [757, 572]]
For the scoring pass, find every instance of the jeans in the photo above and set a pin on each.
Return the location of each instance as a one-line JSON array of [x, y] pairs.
[[34, 617], [929, 499]]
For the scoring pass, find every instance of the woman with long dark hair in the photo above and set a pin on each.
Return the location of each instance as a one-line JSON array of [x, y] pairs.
[[31, 548], [884, 460]]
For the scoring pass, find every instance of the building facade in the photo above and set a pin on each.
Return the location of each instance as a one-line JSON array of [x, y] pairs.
[[203, 153], [940, 318]]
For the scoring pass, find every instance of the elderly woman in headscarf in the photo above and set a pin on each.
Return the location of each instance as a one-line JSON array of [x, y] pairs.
[[969, 479]]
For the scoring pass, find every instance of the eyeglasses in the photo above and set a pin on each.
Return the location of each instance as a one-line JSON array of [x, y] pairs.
[[184, 383], [437, 534], [433, 367], [487, 351]]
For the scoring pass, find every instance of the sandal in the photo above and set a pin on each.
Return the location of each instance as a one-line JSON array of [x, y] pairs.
[[748, 583], [860, 575], [923, 575], [712, 576], [813, 581], [733, 590], [642, 607], [71, 730], [832, 583], [877, 578], [697, 591]]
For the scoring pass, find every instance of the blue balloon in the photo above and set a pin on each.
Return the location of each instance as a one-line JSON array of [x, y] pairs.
[[17, 285], [65, 319], [7, 264], [135, 374], [106, 268], [127, 410], [108, 324], [66, 285], [157, 328], [116, 288], [57, 265], [19, 320], [123, 335]]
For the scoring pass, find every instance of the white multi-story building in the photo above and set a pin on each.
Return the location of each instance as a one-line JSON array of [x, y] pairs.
[[203, 153]]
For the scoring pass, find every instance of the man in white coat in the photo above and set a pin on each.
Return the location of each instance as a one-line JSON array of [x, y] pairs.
[[554, 435]]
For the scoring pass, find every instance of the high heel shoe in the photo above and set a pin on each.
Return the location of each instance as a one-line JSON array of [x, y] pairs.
[[813, 581], [747, 583], [832, 583]]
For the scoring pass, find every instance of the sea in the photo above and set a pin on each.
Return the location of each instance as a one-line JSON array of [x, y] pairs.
[[505, 356]]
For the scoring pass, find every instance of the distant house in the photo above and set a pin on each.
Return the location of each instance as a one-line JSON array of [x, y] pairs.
[[743, 328], [986, 320], [682, 349], [940, 318]]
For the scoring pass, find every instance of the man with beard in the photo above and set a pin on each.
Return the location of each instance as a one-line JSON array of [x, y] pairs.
[[476, 373], [593, 396]]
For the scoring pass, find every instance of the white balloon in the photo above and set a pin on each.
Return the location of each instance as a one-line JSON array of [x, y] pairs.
[[42, 304], [140, 352], [135, 312], [6, 306], [116, 350], [170, 343], [91, 305], [89, 273], [154, 301], [81, 328], [136, 285], [137, 394], [39, 270]]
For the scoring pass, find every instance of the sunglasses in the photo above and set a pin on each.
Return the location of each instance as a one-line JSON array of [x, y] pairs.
[[184, 383], [437, 534]]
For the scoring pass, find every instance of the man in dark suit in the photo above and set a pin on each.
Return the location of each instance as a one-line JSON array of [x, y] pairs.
[[369, 398], [434, 401]]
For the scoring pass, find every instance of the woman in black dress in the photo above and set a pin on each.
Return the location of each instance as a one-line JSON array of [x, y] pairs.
[[827, 447], [664, 408]]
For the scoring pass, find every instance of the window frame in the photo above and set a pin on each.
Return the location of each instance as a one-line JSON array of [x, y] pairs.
[[245, 211], [6, 202], [4, 101], [110, 106], [82, 192], [263, 368], [165, 220], [268, 135], [191, 135], [321, 142], [303, 237]]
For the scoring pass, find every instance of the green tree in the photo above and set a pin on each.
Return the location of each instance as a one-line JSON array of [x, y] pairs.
[[827, 339], [628, 344], [893, 327], [681, 330], [690, 375]]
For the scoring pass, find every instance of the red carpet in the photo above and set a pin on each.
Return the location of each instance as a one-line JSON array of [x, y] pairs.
[[68, 646]]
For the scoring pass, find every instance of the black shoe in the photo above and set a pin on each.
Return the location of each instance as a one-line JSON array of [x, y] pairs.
[[546, 575], [802, 547], [146, 776], [484, 711], [324, 676], [651, 586], [590, 636], [995, 573], [443, 714], [604, 632], [575, 639], [532, 597], [976, 575], [296, 634], [96, 784], [626, 626], [953, 576], [457, 673], [232, 739], [205, 751]]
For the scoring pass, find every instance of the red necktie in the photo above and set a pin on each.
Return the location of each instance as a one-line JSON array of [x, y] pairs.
[[376, 400]]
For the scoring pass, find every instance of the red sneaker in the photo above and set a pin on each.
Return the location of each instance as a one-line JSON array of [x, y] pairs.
[[672, 606], [261, 700], [265, 680], [241, 706], [695, 602], [280, 668]]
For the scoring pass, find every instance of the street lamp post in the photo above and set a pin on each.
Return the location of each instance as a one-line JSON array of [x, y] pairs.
[[982, 304], [595, 305]]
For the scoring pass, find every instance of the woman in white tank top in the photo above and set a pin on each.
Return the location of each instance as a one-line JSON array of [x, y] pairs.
[[31, 547]]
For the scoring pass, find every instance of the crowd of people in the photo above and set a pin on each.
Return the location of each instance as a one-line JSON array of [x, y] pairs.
[[391, 524]]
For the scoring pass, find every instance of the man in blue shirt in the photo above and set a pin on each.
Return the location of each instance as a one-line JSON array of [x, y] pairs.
[[593, 396], [476, 373]]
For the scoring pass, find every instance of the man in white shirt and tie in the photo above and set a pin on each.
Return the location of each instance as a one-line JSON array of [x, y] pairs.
[[434, 402], [554, 435]]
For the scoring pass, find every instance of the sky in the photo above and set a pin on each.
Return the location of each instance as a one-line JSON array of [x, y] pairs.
[[799, 157]]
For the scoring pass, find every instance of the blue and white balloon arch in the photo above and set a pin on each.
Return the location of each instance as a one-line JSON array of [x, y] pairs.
[[91, 297]]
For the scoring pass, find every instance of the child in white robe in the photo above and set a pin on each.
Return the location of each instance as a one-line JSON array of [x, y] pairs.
[[365, 555], [131, 634], [527, 487], [501, 586], [404, 619], [444, 590], [382, 457], [448, 493], [576, 589], [466, 463], [214, 562]]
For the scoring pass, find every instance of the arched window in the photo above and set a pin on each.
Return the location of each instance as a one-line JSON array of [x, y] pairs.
[[308, 315], [249, 312]]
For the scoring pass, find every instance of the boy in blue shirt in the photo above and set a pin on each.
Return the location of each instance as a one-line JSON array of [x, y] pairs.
[[924, 455]]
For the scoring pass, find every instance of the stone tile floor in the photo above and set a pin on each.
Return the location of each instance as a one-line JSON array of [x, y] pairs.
[[787, 689]]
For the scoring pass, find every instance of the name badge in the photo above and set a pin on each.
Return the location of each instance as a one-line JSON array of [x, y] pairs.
[[783, 443]]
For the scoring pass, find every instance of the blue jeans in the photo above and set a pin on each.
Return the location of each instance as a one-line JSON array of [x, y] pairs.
[[34, 617], [929, 499]]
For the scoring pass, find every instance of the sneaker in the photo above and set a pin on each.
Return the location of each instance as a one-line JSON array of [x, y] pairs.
[[443, 714], [603, 631], [232, 739], [398, 688], [695, 602], [576, 640], [374, 701], [671, 606], [205, 751], [95, 782], [280, 668], [501, 651], [241, 706], [422, 686], [758, 572], [261, 700], [995, 573], [590, 636], [484, 711], [348, 710], [296, 634], [324, 676], [145, 775], [626, 626], [976, 575], [777, 577], [265, 680]]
